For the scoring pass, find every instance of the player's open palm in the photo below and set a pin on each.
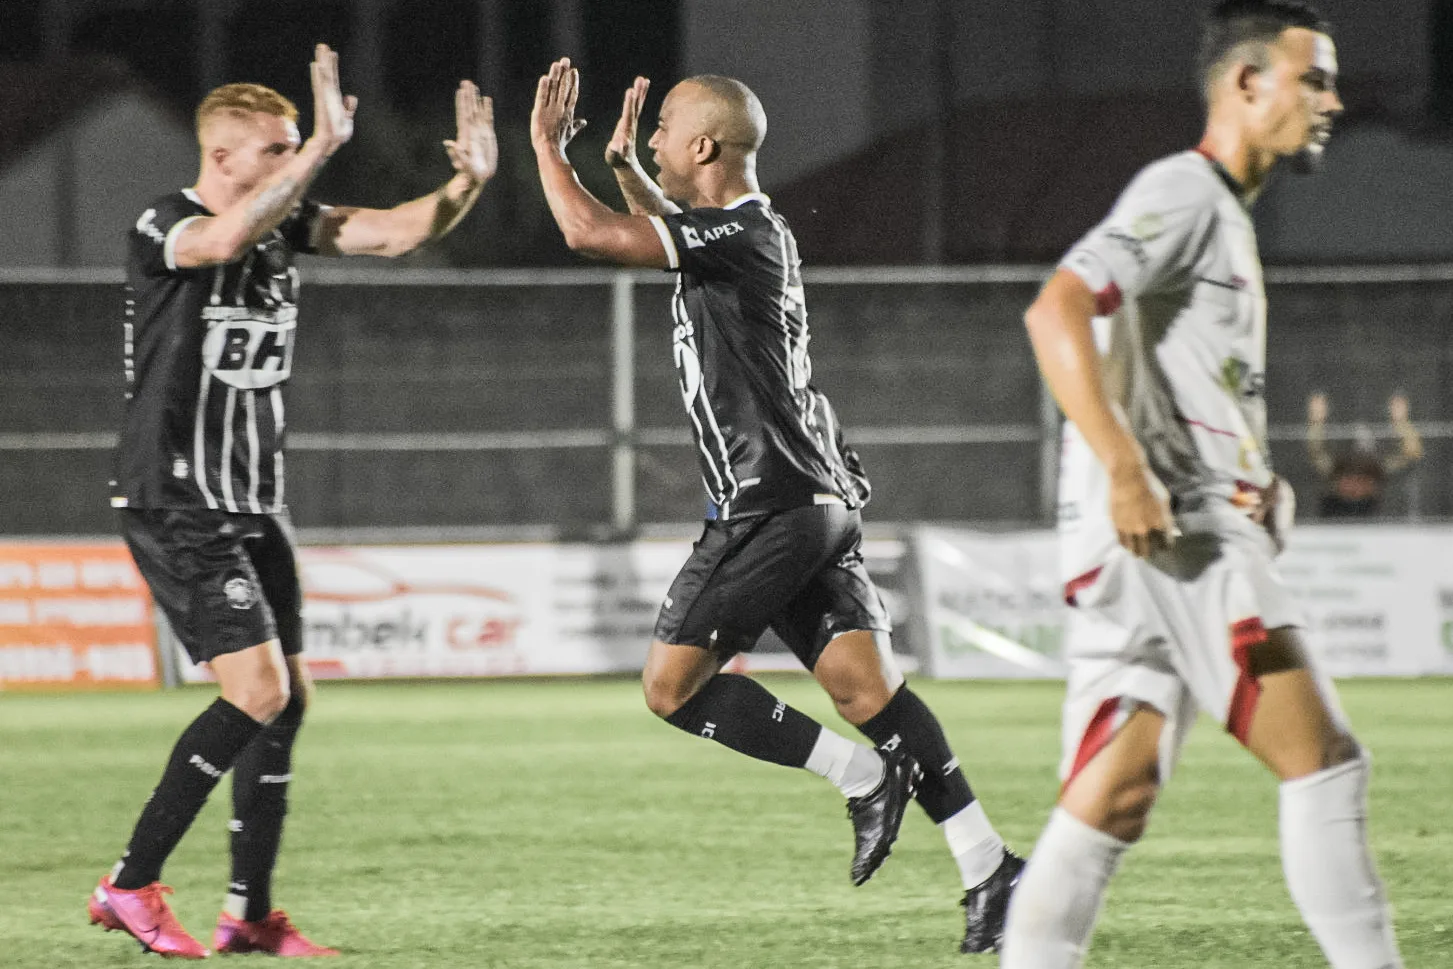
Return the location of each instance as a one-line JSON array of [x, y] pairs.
[[332, 111], [1140, 509], [620, 151], [553, 122], [474, 150]]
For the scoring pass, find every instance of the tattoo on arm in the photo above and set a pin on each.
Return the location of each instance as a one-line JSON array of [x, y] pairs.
[[272, 204], [643, 196]]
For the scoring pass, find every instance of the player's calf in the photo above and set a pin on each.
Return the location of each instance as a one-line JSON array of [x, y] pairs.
[[1329, 867]]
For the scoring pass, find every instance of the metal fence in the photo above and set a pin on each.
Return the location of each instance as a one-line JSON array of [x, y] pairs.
[[437, 404]]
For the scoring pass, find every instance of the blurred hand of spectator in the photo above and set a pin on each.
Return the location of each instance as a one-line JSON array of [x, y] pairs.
[[1410, 443]]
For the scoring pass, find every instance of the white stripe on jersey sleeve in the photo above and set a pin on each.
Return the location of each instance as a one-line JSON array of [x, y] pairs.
[[673, 258], [169, 247]]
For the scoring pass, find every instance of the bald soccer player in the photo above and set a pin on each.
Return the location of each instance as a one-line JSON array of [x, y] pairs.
[[1152, 336], [211, 316], [781, 547]]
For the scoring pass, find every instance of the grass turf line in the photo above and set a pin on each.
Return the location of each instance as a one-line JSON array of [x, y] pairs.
[[545, 824]]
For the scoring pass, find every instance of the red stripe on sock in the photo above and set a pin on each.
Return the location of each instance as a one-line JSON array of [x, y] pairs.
[[1097, 735], [1247, 692]]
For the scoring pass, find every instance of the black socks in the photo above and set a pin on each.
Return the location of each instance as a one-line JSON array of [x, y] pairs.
[[203, 753], [906, 723], [260, 779], [738, 712]]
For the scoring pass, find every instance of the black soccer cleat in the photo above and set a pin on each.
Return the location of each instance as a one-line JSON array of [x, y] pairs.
[[878, 815], [986, 905]]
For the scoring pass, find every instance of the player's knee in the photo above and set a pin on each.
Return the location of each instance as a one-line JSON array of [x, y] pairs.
[[1129, 809], [859, 702], [664, 696], [262, 699], [858, 691]]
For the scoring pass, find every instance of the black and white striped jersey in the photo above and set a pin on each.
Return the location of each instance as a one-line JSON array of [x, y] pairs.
[[766, 440], [207, 352]]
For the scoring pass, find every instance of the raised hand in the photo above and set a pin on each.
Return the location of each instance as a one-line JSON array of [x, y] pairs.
[[1397, 409], [332, 111], [474, 150], [553, 122], [621, 150]]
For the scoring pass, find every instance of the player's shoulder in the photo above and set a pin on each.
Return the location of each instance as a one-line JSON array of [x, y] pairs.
[[751, 212], [1184, 180], [166, 210]]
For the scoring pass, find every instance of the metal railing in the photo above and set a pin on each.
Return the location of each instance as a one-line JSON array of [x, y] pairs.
[[623, 435]]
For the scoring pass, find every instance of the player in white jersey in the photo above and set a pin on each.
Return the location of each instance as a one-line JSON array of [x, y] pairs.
[[1151, 335]]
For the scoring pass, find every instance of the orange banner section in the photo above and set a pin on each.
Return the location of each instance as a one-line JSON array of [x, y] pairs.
[[74, 617]]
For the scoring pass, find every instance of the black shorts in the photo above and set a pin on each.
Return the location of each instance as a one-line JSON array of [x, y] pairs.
[[226, 582], [799, 572]]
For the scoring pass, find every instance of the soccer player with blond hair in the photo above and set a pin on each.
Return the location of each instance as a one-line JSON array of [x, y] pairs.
[[211, 317]]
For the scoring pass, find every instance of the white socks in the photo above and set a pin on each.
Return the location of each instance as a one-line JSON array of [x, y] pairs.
[[853, 769], [976, 846], [1052, 913], [1329, 869]]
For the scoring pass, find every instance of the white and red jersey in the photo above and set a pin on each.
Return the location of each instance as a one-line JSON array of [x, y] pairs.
[[1182, 330]]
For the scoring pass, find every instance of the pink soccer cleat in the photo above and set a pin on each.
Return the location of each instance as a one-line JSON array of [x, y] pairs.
[[275, 935], [143, 914]]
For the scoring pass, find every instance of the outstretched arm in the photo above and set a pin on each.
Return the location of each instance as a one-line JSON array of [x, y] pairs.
[[1060, 329], [474, 153], [590, 227], [223, 238], [642, 194]]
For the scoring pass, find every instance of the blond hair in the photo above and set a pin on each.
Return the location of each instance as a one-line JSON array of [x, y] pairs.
[[239, 100]]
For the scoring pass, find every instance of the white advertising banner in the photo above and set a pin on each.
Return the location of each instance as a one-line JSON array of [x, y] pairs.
[[480, 610], [990, 603], [500, 610], [1378, 599]]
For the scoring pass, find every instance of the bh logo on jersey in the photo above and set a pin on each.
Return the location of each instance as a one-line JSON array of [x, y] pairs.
[[245, 349]]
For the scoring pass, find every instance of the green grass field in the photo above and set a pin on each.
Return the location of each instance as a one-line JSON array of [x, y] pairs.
[[529, 824]]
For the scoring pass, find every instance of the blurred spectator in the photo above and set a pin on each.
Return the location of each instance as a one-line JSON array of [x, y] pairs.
[[1356, 477]]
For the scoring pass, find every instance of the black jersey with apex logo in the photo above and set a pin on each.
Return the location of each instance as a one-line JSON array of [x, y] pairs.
[[766, 439], [208, 352]]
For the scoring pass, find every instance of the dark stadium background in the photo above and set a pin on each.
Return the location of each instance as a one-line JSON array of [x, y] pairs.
[[915, 134]]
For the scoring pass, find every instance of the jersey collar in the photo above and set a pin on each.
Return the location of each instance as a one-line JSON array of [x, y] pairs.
[[1229, 180], [749, 197], [194, 198]]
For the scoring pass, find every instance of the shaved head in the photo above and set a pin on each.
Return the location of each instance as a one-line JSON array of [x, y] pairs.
[[730, 113]]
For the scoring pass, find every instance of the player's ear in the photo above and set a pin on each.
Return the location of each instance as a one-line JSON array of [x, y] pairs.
[[1246, 76], [219, 156], [706, 150]]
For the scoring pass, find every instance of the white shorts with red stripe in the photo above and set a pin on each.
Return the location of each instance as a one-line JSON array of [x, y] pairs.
[[1172, 633]]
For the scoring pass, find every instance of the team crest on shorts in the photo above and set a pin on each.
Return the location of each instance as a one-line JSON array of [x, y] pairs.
[[240, 593]]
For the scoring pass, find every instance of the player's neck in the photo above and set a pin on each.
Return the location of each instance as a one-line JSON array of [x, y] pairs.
[[1226, 143], [719, 188], [216, 192]]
